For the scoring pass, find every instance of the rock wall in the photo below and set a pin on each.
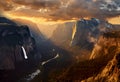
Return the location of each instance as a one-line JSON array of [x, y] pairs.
[[105, 43], [15, 43], [111, 72]]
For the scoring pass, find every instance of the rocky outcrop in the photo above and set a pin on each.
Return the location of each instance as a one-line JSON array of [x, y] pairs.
[[4, 20], [111, 73], [86, 32], [108, 46], [16, 45], [106, 42], [33, 27]]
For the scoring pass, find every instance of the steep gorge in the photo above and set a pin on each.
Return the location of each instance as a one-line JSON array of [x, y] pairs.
[[103, 65]]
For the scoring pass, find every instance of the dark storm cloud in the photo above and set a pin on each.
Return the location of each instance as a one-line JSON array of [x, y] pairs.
[[65, 9]]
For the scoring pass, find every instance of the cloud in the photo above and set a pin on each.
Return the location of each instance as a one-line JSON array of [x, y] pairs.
[[37, 4], [5, 5], [63, 9]]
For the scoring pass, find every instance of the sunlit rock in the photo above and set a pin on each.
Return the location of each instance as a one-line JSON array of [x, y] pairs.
[[106, 41], [111, 72]]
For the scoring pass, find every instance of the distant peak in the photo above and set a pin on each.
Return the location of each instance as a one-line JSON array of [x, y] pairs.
[[4, 20]]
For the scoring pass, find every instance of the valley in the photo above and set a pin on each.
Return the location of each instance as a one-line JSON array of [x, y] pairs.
[[66, 55]]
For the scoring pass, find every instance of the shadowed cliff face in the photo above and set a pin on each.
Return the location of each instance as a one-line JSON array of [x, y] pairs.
[[82, 29], [21, 44], [86, 32], [17, 45]]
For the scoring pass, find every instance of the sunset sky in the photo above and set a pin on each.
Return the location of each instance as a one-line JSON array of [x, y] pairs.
[[52, 11]]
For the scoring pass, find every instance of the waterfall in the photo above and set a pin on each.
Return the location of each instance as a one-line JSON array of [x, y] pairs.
[[24, 52], [73, 33]]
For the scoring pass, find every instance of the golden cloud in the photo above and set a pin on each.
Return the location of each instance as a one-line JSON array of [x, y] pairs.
[[61, 9]]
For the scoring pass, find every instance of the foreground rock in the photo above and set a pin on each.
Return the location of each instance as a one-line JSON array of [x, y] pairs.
[[17, 46], [111, 73], [106, 43]]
